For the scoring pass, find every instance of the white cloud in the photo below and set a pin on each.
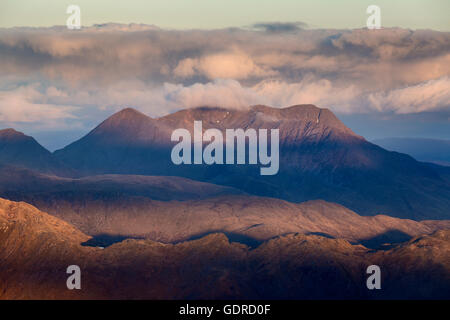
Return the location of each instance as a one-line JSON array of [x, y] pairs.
[[432, 95], [232, 65], [26, 104]]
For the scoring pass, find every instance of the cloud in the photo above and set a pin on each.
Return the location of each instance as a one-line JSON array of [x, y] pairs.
[[28, 105], [432, 95], [393, 43], [109, 53], [321, 92], [231, 65], [222, 92], [54, 75], [279, 27]]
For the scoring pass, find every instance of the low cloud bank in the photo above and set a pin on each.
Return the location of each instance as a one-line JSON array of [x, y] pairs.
[[58, 77]]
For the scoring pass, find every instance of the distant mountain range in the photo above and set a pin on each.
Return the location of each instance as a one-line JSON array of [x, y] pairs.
[[320, 158], [36, 249], [423, 149]]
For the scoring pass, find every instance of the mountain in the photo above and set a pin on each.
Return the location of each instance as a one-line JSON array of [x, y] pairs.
[[320, 158], [423, 149], [36, 249], [128, 142], [172, 209], [21, 150]]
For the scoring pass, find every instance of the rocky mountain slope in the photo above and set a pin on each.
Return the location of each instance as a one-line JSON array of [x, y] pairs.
[[36, 248]]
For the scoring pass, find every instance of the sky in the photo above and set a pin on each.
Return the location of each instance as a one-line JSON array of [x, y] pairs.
[[57, 84], [210, 14]]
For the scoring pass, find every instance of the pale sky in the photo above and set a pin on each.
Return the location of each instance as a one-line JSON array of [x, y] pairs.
[[210, 14]]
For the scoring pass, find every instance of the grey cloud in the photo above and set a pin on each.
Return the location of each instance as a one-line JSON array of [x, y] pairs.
[[279, 27], [393, 43]]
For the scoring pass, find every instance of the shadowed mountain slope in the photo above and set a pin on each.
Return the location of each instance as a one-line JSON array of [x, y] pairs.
[[19, 149]]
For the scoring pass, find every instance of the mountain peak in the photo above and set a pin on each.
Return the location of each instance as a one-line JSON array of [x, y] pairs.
[[11, 134], [128, 113], [127, 118], [126, 127], [10, 130]]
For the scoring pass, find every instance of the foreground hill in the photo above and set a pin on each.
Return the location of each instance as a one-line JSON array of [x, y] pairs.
[[36, 248], [320, 158]]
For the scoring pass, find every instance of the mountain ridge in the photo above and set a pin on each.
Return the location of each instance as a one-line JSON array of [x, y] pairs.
[[36, 249]]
